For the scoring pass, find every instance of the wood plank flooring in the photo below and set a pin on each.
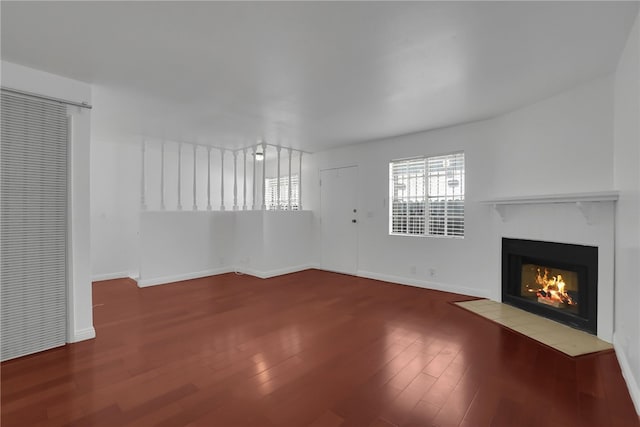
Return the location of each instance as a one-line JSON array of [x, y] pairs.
[[307, 349]]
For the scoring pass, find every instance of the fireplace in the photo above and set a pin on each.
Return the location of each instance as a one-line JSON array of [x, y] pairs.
[[555, 280]]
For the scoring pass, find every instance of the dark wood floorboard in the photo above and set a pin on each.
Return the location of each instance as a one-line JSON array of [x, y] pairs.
[[311, 349]]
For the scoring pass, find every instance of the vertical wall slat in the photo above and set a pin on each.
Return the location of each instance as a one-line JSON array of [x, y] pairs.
[[278, 206], [195, 196], [253, 179], [235, 180], [264, 176], [300, 183], [208, 178], [289, 186], [179, 176], [143, 147], [244, 180], [222, 179], [162, 206]]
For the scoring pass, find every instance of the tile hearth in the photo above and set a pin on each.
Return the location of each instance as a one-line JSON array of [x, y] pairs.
[[553, 334]]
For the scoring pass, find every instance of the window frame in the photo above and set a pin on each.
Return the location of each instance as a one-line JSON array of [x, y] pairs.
[[450, 225]]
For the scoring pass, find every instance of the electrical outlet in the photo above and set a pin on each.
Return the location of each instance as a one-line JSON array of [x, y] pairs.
[[432, 272], [413, 269]]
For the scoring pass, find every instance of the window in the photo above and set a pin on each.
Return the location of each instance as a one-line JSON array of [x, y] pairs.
[[271, 193], [427, 196]]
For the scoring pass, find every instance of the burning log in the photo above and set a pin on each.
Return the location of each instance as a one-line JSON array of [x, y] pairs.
[[552, 291]]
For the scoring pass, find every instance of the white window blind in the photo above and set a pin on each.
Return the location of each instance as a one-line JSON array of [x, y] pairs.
[[271, 192], [33, 247], [427, 196]]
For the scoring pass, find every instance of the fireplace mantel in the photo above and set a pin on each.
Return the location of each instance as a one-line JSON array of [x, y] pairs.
[[583, 201]]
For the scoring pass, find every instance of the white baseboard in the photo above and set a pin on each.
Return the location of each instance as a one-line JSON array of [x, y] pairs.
[[330, 270], [83, 334], [625, 367], [143, 283], [286, 270], [109, 276], [425, 284], [277, 272]]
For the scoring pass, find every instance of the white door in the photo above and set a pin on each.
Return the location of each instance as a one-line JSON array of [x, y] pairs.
[[339, 220]]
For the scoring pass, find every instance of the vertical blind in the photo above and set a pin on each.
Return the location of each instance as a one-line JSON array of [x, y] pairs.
[[33, 225]]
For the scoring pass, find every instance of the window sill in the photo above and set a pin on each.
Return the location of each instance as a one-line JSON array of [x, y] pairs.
[[434, 236]]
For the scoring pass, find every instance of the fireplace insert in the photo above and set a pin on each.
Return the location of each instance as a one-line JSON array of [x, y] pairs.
[[555, 280]]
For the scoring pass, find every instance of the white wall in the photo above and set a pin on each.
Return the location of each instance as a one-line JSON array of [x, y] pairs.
[[184, 245], [115, 208], [271, 243], [27, 79], [560, 145], [627, 180]]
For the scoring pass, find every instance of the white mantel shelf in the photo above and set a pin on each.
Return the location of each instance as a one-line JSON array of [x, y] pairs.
[[583, 201], [599, 196]]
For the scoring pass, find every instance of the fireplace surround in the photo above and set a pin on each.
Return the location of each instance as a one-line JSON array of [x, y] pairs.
[[555, 280]]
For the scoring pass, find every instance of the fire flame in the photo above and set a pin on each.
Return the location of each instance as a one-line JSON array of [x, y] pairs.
[[552, 290]]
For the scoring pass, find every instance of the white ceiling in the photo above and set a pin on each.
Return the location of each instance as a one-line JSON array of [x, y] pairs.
[[312, 75]]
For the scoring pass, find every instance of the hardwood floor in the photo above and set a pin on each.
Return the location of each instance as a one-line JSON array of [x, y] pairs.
[[306, 349]]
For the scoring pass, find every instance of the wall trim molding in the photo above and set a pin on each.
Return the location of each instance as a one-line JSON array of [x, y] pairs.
[[424, 284], [143, 283], [163, 280], [627, 373], [293, 269], [82, 335], [110, 276], [223, 270]]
